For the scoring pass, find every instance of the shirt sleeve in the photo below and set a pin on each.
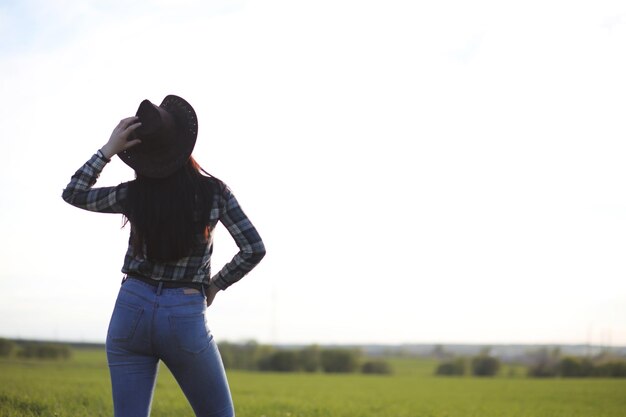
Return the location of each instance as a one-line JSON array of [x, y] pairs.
[[79, 191], [251, 248]]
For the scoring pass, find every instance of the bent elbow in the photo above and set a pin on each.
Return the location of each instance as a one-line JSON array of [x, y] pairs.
[[256, 254], [67, 196], [261, 254]]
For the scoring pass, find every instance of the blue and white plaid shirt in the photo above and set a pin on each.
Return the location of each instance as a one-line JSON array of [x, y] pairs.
[[193, 268]]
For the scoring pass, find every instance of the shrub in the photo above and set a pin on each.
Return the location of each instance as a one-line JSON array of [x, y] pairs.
[[243, 356], [571, 366], [452, 367], [339, 360], [281, 361], [612, 369], [309, 358], [485, 366], [6, 347], [575, 367], [376, 367], [35, 350], [544, 363]]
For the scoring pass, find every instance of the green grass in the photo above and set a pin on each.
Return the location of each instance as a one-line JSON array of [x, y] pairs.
[[80, 388]]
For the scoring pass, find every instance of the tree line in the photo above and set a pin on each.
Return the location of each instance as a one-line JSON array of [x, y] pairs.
[[256, 357], [481, 365], [541, 363], [34, 350], [550, 363]]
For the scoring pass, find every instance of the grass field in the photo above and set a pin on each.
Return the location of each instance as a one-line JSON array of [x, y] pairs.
[[80, 388]]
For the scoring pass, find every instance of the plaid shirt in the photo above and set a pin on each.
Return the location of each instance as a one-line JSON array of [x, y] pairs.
[[197, 266]]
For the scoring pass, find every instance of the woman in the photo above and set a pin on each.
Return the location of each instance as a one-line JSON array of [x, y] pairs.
[[172, 209]]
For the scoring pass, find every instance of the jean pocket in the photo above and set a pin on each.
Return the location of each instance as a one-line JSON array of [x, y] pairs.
[[124, 321], [191, 332]]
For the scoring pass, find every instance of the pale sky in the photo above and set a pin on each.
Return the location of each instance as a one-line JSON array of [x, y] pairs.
[[421, 172]]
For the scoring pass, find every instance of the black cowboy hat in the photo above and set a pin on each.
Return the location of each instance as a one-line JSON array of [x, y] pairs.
[[168, 135]]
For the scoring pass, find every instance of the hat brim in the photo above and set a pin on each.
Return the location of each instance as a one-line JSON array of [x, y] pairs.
[[165, 164]]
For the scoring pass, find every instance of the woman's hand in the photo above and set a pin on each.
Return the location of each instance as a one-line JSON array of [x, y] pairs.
[[210, 294], [118, 141]]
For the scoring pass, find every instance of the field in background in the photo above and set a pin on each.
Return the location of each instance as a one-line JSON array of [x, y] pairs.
[[80, 387]]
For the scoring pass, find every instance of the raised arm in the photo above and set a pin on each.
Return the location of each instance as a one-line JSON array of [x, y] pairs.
[[79, 191]]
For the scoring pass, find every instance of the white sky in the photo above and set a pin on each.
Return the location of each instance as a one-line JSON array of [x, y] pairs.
[[419, 171]]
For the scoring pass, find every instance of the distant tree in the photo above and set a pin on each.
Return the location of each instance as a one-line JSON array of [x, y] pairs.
[[280, 361], [484, 365], [6, 347], [250, 353], [243, 356], [544, 362], [454, 367], [227, 354], [611, 369], [571, 366], [603, 366], [309, 358], [35, 350], [376, 367], [339, 360]]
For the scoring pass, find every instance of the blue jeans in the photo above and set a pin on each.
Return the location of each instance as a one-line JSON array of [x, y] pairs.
[[168, 324]]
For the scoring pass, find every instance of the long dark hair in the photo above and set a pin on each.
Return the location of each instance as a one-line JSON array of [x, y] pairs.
[[167, 215]]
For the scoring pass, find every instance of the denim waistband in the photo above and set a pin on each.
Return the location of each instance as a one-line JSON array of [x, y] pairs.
[[167, 284]]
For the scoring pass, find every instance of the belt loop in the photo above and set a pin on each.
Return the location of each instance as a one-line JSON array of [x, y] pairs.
[[159, 288], [203, 289]]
